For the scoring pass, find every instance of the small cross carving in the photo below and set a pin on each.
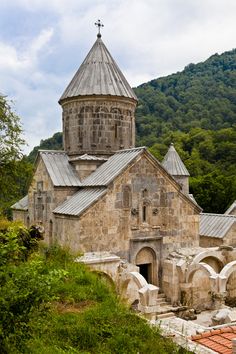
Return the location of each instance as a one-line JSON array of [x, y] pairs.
[[98, 24]]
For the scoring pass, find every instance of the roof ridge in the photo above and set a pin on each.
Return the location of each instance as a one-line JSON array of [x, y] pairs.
[[221, 215], [131, 149], [52, 151]]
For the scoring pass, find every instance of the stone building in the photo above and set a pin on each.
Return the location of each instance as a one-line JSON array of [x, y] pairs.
[[216, 230], [101, 194]]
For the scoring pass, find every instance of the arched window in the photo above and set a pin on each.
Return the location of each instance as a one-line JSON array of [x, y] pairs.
[[144, 216], [145, 205], [145, 193], [126, 197]]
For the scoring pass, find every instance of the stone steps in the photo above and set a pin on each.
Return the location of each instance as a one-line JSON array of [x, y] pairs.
[[163, 303], [165, 315], [165, 308]]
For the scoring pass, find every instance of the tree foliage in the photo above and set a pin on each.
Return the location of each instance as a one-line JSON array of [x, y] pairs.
[[196, 110], [15, 170], [10, 133]]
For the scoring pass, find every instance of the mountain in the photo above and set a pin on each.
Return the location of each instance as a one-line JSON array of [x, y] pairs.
[[201, 96], [53, 143], [196, 110]]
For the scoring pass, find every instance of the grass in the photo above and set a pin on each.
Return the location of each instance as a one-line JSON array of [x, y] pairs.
[[82, 316]]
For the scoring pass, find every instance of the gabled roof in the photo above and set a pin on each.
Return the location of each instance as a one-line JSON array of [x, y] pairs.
[[80, 201], [104, 174], [173, 163], [94, 186], [215, 225], [22, 204], [231, 208], [59, 169], [98, 75]]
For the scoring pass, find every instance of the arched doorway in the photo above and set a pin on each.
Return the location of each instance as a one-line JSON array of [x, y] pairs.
[[147, 263]]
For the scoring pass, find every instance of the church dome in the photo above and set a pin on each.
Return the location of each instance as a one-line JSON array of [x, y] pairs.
[[98, 75], [98, 107]]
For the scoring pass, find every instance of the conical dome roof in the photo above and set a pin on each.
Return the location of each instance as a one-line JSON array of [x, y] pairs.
[[98, 75], [173, 163]]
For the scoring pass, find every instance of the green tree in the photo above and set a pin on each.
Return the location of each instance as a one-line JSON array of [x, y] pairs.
[[15, 171]]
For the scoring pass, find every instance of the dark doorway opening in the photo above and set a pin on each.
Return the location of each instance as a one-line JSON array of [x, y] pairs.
[[146, 270]]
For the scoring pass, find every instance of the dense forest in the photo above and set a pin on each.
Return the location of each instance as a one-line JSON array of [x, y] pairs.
[[196, 110]]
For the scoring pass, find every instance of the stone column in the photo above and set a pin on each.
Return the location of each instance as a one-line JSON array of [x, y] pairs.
[[148, 301]]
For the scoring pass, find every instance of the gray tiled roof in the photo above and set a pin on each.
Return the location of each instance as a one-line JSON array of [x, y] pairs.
[[215, 225], [80, 201], [104, 174], [61, 172], [98, 75], [231, 208], [22, 204], [173, 163]]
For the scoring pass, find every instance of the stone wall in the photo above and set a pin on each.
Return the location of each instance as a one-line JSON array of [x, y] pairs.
[[98, 126], [184, 182], [43, 198], [229, 239], [143, 207], [206, 241], [21, 215]]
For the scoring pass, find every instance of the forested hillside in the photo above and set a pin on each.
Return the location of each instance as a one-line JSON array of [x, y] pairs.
[[196, 110]]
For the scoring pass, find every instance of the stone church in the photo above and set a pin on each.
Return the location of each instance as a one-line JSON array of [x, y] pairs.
[[103, 194]]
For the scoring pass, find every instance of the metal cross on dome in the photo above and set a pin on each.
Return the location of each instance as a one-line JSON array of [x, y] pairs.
[[99, 25]]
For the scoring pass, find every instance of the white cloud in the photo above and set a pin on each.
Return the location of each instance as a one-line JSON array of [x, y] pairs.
[[148, 39]]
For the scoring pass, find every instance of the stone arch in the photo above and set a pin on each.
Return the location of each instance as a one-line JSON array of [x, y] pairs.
[[106, 276], [202, 282], [146, 260], [206, 268], [116, 110], [211, 257], [85, 112], [225, 274], [134, 281]]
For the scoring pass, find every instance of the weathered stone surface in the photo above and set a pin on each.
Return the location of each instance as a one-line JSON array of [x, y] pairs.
[[98, 125]]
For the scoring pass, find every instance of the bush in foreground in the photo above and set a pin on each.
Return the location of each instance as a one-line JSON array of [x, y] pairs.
[[51, 304]]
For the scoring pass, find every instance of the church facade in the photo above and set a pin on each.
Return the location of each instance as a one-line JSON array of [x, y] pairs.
[[102, 194]]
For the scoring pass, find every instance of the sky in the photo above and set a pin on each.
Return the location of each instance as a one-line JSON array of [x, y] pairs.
[[43, 43]]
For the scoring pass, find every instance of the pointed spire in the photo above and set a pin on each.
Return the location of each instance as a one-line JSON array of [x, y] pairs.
[[173, 163], [98, 75]]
